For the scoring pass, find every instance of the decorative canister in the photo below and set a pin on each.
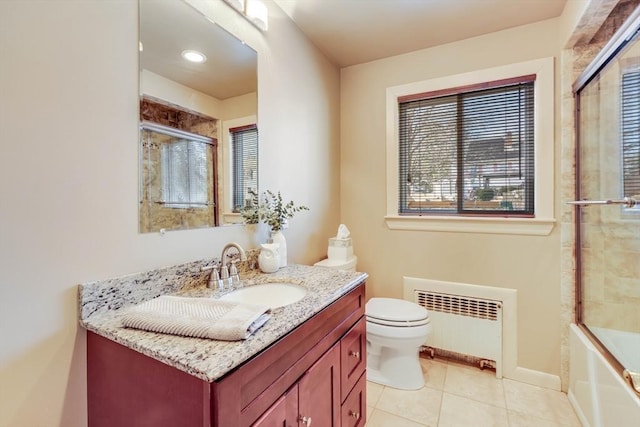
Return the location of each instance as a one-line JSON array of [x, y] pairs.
[[269, 259]]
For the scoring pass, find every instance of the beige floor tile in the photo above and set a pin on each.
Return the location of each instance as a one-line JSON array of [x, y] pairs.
[[421, 406], [373, 393], [369, 411], [516, 419], [539, 402], [384, 419], [434, 372], [462, 412], [475, 384]]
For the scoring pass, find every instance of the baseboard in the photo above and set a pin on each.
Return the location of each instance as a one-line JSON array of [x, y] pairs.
[[537, 378]]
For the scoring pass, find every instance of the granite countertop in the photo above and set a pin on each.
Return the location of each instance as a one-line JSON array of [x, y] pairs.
[[101, 304]]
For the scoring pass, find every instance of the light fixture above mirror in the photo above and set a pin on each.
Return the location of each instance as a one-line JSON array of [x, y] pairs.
[[253, 10]]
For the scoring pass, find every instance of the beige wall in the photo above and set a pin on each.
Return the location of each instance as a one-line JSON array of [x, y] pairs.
[[69, 178], [530, 264]]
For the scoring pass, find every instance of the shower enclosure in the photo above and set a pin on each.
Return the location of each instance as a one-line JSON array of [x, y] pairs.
[[606, 340]]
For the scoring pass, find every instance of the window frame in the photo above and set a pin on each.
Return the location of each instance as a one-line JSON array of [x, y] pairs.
[[491, 93], [234, 161], [226, 168], [544, 195]]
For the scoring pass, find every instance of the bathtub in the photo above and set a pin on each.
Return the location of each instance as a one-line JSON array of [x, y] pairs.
[[599, 395]]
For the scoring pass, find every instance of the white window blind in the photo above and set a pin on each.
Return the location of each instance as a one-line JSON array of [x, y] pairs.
[[184, 174], [630, 133], [468, 150], [244, 149]]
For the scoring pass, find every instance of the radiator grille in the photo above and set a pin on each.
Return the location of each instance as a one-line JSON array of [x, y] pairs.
[[459, 305]]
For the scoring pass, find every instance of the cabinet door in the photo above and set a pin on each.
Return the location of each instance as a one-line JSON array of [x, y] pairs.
[[319, 392], [354, 408], [283, 413], [353, 348]]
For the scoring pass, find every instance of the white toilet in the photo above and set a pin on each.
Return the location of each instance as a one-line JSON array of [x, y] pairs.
[[396, 329]]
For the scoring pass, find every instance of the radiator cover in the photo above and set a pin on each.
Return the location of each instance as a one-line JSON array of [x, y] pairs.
[[467, 325]]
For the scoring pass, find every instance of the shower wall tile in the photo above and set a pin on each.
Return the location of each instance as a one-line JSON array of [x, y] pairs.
[[622, 264], [621, 290]]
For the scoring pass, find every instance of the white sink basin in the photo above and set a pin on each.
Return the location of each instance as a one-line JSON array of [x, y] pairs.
[[273, 295]]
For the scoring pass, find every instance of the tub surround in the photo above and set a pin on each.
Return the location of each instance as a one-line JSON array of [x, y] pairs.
[[101, 304]]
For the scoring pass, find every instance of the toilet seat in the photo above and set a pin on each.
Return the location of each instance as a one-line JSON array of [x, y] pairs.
[[396, 313], [406, 324]]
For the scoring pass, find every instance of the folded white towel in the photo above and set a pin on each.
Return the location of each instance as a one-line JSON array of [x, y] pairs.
[[197, 317]]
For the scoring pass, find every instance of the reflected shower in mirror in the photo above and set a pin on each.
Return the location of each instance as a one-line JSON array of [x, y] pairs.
[[195, 164]]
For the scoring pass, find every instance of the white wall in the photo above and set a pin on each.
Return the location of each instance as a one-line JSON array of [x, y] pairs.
[[530, 264], [69, 178]]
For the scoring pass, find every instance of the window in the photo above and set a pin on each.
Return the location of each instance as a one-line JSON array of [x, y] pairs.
[[461, 154], [469, 150], [244, 149], [184, 174], [630, 133]]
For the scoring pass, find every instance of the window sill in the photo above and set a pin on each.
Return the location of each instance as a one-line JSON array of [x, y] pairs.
[[232, 218], [456, 224]]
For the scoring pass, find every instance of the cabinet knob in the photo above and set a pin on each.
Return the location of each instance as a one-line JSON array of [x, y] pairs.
[[355, 415], [355, 354], [306, 421]]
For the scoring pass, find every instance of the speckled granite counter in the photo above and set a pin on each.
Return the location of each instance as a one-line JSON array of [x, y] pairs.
[[102, 303]]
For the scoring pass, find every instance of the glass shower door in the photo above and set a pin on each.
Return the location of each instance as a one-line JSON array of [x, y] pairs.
[[608, 222]]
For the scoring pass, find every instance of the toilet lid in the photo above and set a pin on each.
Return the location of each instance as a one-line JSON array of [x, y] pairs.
[[391, 310]]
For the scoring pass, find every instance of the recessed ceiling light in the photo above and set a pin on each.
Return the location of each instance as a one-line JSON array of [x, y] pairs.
[[193, 56]]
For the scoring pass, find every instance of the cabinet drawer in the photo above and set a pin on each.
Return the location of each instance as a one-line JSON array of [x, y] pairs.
[[354, 409], [353, 357]]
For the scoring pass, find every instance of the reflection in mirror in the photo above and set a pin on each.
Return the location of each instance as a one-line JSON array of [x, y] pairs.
[[198, 133]]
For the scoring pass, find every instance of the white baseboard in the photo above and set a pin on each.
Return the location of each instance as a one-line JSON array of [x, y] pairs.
[[537, 378]]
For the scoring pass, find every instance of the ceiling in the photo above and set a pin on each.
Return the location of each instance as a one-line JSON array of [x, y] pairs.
[[352, 32], [349, 32], [169, 27]]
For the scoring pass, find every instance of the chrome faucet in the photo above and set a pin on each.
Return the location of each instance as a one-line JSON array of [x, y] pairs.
[[229, 275]]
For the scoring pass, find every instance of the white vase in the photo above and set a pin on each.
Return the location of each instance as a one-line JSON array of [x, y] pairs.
[[278, 237]]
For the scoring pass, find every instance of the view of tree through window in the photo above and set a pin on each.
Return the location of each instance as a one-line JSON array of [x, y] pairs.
[[468, 152]]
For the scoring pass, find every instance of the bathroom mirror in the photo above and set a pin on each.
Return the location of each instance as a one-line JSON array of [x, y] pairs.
[[198, 124]]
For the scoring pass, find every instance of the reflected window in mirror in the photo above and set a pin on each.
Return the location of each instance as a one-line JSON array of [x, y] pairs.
[[178, 168], [244, 163], [184, 173]]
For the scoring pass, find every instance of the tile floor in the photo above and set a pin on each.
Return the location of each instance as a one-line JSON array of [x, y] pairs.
[[458, 395]]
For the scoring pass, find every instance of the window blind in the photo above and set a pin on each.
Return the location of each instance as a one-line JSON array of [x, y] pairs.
[[184, 173], [630, 133], [244, 148], [468, 151]]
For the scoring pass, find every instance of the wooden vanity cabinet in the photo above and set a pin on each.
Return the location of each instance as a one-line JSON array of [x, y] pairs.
[[312, 372], [314, 398]]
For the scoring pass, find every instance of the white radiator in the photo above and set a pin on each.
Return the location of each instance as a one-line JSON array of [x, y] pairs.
[[463, 324]]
